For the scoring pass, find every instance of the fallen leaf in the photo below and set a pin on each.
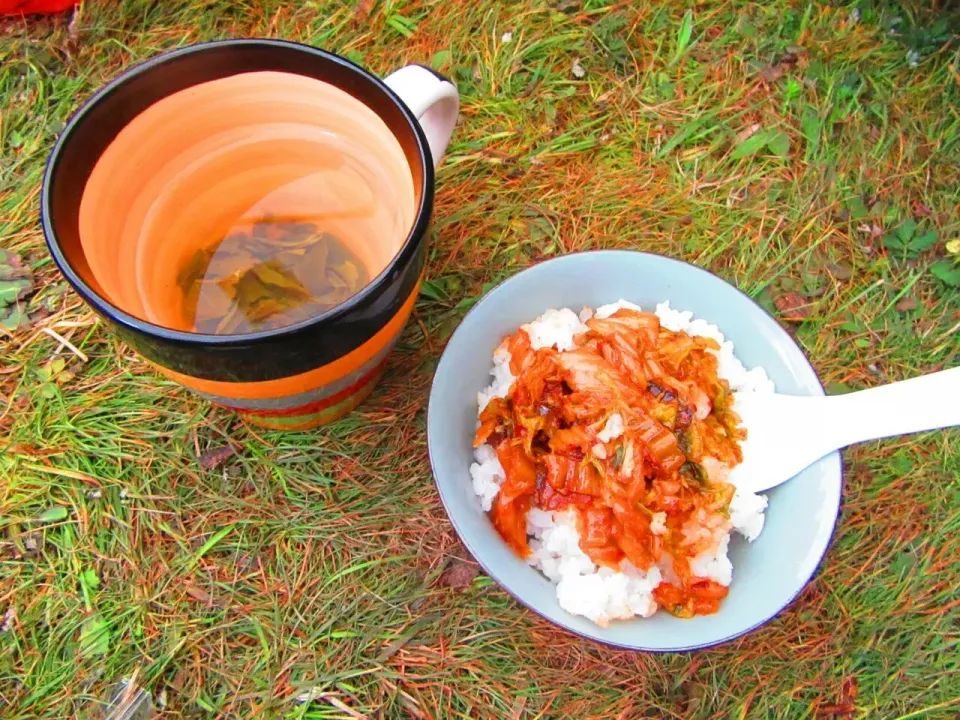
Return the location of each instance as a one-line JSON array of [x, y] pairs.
[[792, 55], [771, 74], [212, 459], [200, 595], [747, 132], [839, 710], [32, 544], [874, 230], [11, 266], [840, 271], [460, 574], [851, 688], [363, 8], [418, 603], [845, 705], [8, 617], [73, 31], [793, 307], [906, 304]]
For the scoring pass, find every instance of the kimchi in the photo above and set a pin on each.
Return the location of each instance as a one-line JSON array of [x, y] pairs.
[[625, 429]]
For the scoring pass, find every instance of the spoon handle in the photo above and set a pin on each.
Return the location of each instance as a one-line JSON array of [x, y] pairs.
[[927, 402]]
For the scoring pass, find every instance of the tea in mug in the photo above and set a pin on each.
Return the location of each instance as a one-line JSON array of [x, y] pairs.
[[273, 273], [237, 223]]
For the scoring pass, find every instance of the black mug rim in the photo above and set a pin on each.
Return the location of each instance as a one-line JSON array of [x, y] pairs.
[[414, 237]]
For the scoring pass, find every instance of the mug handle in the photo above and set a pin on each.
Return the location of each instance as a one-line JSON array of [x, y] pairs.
[[433, 99]]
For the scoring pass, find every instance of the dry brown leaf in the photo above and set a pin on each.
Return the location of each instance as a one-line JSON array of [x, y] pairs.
[[460, 574], [212, 459], [840, 271], [747, 132], [793, 307], [363, 8], [199, 595], [845, 706], [771, 74], [838, 710], [73, 31], [906, 304]]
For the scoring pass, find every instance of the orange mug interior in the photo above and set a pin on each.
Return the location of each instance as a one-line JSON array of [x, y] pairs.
[[199, 161]]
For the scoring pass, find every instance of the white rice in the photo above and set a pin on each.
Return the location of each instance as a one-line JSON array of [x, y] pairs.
[[487, 474], [555, 328], [502, 378], [599, 593], [714, 564]]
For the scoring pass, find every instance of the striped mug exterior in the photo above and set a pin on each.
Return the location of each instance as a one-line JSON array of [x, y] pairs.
[[293, 377]]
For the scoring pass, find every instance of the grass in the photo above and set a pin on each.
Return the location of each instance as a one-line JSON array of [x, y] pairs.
[[799, 149]]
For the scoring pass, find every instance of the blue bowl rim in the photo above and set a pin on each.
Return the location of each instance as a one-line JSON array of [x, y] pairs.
[[610, 643]]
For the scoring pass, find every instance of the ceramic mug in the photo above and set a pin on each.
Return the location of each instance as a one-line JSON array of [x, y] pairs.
[[115, 233]]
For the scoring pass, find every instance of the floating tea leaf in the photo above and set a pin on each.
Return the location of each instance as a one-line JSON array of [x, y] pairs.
[[234, 256], [292, 236], [313, 268], [195, 268], [349, 274], [277, 274]]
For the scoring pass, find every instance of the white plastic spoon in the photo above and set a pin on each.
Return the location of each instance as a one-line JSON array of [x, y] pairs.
[[789, 432]]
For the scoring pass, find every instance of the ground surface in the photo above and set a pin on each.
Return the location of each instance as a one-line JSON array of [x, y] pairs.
[[806, 151]]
